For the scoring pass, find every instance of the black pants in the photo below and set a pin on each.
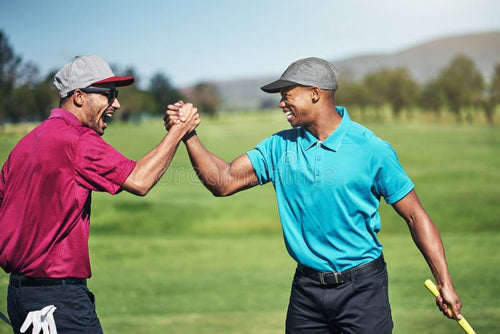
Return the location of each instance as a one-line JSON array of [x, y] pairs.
[[360, 306], [75, 304]]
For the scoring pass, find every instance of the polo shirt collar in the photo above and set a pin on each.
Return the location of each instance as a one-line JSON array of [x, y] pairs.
[[64, 114], [334, 141]]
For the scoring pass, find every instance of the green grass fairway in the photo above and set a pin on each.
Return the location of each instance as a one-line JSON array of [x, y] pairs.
[[182, 261]]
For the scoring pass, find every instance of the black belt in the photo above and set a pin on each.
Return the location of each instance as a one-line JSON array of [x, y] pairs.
[[21, 280], [340, 277]]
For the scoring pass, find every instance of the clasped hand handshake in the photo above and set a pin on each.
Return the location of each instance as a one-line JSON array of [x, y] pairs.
[[182, 114]]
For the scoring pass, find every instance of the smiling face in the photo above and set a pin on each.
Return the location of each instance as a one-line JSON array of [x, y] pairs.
[[296, 103], [99, 108]]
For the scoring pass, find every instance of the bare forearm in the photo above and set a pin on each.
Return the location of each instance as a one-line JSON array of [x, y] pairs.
[[209, 167], [218, 176], [428, 241], [151, 167]]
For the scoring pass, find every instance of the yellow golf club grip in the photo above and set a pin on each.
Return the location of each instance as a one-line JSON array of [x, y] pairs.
[[462, 322]]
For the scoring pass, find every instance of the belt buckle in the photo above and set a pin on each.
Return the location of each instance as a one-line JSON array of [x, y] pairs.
[[322, 277]]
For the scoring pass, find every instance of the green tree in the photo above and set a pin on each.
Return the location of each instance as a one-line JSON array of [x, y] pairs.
[[206, 97], [133, 101], [395, 87], [352, 94], [32, 98], [45, 97], [163, 92], [404, 90], [375, 90], [492, 99], [22, 102], [9, 63], [462, 84], [432, 97]]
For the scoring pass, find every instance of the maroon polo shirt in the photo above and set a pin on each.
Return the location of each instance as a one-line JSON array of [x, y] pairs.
[[45, 195]]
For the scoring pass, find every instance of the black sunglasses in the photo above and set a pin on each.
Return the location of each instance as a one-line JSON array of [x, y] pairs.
[[111, 93]]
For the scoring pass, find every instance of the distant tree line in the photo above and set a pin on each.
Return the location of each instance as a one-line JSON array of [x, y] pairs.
[[25, 96], [458, 86]]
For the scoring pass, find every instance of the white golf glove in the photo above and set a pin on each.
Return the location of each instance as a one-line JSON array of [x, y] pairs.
[[42, 320]]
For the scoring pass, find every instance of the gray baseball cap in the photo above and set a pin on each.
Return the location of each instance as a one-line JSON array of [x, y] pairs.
[[306, 72], [85, 71]]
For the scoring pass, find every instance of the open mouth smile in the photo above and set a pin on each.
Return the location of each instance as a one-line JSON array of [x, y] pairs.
[[107, 116], [288, 113]]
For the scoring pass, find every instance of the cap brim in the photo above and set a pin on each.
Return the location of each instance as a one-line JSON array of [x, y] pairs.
[[276, 86], [118, 81]]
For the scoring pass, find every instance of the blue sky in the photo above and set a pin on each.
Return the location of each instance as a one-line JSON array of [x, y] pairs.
[[192, 41]]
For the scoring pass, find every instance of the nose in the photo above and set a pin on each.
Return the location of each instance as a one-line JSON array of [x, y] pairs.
[[116, 103], [281, 104]]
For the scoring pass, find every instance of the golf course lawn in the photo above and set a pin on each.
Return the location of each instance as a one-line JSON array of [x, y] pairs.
[[182, 261]]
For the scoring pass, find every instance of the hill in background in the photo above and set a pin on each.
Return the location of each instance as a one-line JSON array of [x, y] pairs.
[[424, 61]]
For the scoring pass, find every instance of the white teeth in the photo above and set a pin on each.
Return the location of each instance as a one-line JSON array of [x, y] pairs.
[[288, 114], [108, 115]]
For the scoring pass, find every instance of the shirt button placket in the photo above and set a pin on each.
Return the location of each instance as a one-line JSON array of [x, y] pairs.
[[317, 165]]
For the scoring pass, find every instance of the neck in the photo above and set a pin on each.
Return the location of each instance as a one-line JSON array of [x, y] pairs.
[[325, 124], [75, 111]]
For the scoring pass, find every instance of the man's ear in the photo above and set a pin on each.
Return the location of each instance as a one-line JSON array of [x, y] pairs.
[[78, 98], [315, 94]]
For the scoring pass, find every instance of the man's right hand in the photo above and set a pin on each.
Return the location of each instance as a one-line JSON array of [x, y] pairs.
[[190, 119], [174, 114]]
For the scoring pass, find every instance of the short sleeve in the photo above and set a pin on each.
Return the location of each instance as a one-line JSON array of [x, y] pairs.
[[391, 181], [99, 166], [260, 157]]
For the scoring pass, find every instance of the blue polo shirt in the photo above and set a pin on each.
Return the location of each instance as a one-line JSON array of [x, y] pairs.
[[328, 192]]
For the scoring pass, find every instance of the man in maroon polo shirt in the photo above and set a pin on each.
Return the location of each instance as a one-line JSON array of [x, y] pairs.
[[45, 195]]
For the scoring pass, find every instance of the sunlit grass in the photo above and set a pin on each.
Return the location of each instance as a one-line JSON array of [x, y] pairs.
[[182, 261]]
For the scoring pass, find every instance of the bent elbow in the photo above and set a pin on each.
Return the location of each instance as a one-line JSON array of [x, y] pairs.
[[138, 189], [220, 191], [142, 192]]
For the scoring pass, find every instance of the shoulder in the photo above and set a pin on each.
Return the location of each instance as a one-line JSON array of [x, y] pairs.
[[365, 140], [364, 135], [287, 135], [90, 142], [63, 128], [276, 143]]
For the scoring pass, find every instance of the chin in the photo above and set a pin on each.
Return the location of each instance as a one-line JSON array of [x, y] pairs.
[[100, 132], [294, 124]]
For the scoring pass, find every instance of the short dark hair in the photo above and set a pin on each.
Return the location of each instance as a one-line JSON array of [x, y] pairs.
[[63, 100]]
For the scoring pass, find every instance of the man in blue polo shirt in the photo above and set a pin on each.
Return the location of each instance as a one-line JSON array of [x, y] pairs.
[[329, 174]]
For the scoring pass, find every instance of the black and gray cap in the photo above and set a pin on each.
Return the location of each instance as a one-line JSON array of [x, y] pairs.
[[306, 72]]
